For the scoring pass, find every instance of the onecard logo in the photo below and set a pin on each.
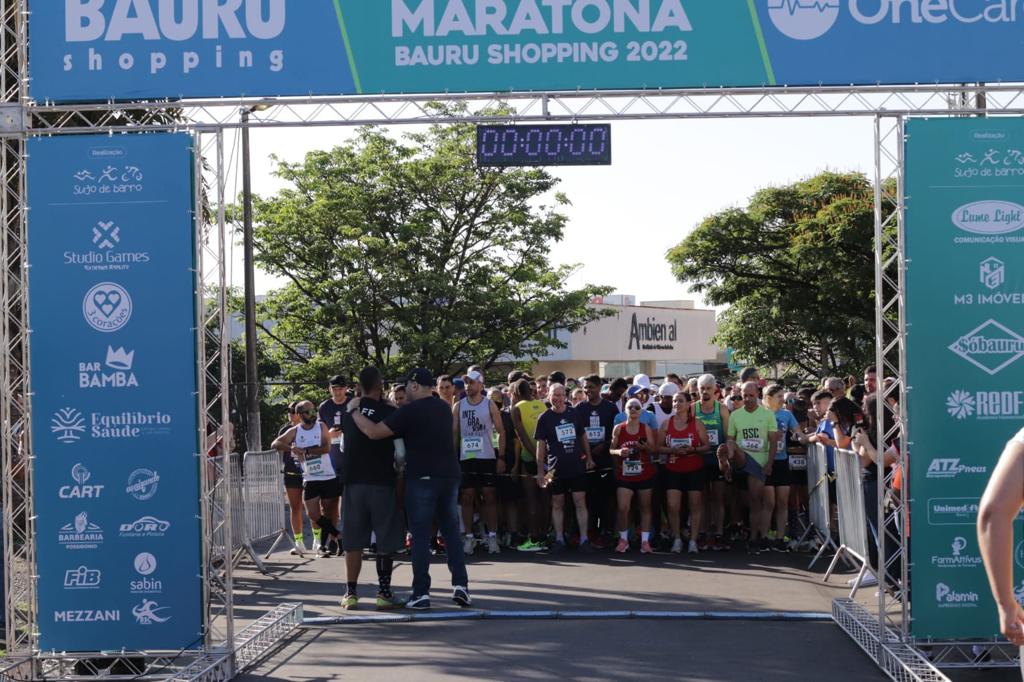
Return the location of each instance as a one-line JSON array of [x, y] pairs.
[[803, 19]]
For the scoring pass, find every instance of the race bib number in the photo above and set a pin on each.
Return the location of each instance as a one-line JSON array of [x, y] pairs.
[[681, 442], [752, 444], [595, 434], [713, 436], [566, 433], [632, 467], [316, 467], [798, 462], [472, 447]]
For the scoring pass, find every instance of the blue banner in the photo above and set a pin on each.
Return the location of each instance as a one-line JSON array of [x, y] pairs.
[[83, 50], [114, 397]]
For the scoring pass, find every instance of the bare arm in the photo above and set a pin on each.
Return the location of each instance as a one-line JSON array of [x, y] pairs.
[[499, 426], [283, 443], [702, 434], [371, 429], [456, 429], [999, 507], [524, 438]]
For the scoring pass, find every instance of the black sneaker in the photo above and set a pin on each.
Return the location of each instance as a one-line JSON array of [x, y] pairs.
[[460, 595], [766, 546], [334, 548], [418, 602], [324, 550], [780, 546], [753, 548], [586, 548], [556, 547]]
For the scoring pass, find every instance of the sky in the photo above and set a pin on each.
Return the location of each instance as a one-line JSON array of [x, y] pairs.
[[665, 177]]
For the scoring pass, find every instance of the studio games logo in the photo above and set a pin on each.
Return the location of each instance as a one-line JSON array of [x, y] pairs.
[[803, 19]]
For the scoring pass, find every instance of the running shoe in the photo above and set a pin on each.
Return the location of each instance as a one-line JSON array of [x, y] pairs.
[[460, 595], [492, 545], [693, 548], [586, 548], [334, 547], [349, 602], [439, 548], [389, 602], [469, 545], [766, 546], [324, 551], [702, 542], [677, 546], [557, 547], [645, 548], [418, 602], [753, 548], [530, 546], [622, 547], [780, 545]]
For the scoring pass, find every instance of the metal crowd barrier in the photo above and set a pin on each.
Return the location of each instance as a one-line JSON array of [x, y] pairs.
[[819, 507], [266, 502], [258, 505], [852, 516]]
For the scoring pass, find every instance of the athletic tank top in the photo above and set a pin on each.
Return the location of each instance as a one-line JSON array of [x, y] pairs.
[[317, 468], [661, 416], [638, 467], [529, 412], [475, 429], [712, 424], [683, 438]]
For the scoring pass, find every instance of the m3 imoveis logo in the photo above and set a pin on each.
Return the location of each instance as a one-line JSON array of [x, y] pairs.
[[803, 19]]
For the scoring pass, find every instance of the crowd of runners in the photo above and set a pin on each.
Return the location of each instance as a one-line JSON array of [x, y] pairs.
[[552, 464]]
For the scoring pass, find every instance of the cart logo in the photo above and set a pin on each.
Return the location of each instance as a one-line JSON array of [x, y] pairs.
[[68, 424], [146, 613], [991, 347], [803, 19], [993, 273]]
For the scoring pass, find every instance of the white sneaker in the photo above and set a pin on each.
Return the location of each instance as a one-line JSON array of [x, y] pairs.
[[693, 547], [677, 546], [469, 545], [492, 545]]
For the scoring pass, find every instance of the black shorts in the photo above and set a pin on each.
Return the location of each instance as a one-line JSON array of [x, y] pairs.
[[600, 482], [509, 488], [326, 489], [780, 474], [635, 485], [712, 472], [739, 479], [798, 477], [479, 473], [560, 486], [528, 468], [689, 482], [367, 509], [293, 481]]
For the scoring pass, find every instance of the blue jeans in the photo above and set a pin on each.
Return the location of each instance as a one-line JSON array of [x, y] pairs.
[[426, 500]]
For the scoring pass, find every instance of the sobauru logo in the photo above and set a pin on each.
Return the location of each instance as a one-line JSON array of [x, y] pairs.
[[989, 217], [803, 19]]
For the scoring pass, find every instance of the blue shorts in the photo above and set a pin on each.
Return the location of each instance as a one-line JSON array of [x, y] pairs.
[[752, 468]]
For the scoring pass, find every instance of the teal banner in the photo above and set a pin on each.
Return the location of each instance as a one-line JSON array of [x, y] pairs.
[[82, 50], [965, 355]]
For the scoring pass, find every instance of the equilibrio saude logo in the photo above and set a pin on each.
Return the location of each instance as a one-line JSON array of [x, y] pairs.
[[811, 19]]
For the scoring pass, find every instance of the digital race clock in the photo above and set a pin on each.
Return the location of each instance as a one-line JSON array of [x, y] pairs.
[[544, 145]]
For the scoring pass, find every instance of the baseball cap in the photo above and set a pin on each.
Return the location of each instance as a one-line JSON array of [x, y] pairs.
[[668, 389], [458, 383], [337, 380], [474, 376], [642, 380], [421, 376], [633, 390]]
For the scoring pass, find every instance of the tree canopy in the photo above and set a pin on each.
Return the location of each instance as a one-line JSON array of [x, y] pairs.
[[796, 268], [401, 252]]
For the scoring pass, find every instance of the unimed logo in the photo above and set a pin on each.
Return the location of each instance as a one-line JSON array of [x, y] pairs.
[[951, 468], [946, 597]]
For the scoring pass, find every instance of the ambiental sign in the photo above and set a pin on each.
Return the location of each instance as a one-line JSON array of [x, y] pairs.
[[84, 50]]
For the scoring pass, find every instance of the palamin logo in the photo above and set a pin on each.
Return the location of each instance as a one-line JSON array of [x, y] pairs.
[[650, 330]]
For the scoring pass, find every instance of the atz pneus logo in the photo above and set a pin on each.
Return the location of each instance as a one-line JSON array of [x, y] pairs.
[[803, 19]]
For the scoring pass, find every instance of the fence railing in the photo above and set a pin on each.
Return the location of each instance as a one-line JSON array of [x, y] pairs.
[[853, 528], [819, 503]]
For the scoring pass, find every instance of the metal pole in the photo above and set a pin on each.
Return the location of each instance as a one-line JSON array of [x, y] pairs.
[[253, 436], [880, 301]]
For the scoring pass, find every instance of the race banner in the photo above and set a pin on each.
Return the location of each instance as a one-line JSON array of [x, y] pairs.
[[96, 50], [965, 344], [113, 367]]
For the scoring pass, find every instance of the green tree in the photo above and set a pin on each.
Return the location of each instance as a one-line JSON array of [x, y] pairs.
[[796, 268], [403, 252]]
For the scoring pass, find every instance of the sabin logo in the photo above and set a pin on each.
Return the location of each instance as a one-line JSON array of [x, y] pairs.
[[803, 19]]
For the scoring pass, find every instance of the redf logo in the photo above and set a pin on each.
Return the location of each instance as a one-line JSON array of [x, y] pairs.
[[951, 468]]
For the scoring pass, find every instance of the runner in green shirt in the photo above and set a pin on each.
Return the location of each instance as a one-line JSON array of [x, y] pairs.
[[753, 437]]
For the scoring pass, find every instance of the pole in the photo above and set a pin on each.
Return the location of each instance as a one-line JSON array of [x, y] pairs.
[[253, 437]]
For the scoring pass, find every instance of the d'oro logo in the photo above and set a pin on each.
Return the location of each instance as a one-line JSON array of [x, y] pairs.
[[803, 19]]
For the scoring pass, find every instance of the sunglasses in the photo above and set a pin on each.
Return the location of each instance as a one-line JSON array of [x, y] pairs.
[[305, 412], [634, 408]]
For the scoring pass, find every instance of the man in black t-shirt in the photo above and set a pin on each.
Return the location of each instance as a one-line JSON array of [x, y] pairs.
[[369, 503], [598, 417], [432, 476], [331, 413], [563, 459]]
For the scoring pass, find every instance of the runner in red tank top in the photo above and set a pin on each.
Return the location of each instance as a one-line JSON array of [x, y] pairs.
[[685, 441], [632, 446]]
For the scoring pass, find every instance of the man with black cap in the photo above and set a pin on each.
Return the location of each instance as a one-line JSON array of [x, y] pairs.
[[369, 502], [432, 476], [332, 412]]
